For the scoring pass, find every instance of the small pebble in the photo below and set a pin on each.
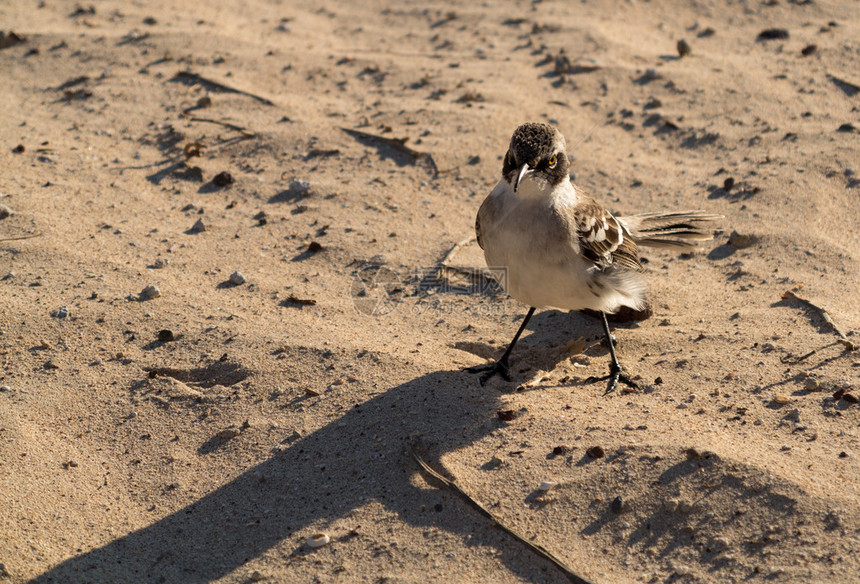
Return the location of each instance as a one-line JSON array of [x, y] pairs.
[[617, 505], [222, 179], [227, 433], [318, 540], [166, 335], [150, 292], [300, 186], [160, 263], [546, 486], [5, 388], [506, 415], [850, 398], [61, 312], [595, 452], [237, 278], [773, 34], [811, 384], [5, 211], [739, 241], [683, 48], [198, 226], [781, 399], [560, 450]]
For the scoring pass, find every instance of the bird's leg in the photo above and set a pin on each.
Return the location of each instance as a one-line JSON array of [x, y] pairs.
[[502, 367], [615, 373]]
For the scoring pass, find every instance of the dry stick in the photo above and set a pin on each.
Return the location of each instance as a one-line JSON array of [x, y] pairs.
[[536, 548], [203, 80], [466, 271], [842, 340], [21, 237], [454, 250], [244, 131]]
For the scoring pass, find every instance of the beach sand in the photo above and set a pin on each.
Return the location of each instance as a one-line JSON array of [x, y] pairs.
[[163, 419]]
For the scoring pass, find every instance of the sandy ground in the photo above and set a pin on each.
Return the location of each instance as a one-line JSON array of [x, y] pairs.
[[202, 433]]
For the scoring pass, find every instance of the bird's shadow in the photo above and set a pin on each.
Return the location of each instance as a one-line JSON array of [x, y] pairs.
[[323, 476], [545, 347]]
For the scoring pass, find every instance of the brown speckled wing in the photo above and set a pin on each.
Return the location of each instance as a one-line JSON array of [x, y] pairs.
[[602, 238]]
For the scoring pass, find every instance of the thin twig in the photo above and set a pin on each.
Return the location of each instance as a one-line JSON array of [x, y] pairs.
[[244, 131], [536, 548], [843, 339], [21, 237], [455, 249], [189, 75]]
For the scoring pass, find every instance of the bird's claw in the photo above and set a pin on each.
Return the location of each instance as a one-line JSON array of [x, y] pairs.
[[500, 368], [615, 375]]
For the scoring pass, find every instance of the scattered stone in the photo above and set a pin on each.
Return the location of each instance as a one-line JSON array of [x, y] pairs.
[[5, 388], [811, 384], [771, 34], [314, 247], [781, 399], [739, 241], [850, 398], [792, 416], [683, 48], [318, 540], [227, 433], [595, 452], [728, 184], [300, 187], [199, 226], [617, 505], [61, 312], [237, 278], [561, 450], [149, 292], [5, 211], [222, 179], [166, 336], [256, 576], [70, 464], [808, 50], [11, 39], [506, 415], [546, 486], [160, 263]]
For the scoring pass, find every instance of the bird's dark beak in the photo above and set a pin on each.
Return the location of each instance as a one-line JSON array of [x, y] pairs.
[[520, 174]]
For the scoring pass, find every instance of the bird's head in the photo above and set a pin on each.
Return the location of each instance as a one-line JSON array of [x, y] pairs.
[[536, 159]]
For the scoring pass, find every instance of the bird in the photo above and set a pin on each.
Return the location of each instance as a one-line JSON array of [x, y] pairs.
[[551, 245]]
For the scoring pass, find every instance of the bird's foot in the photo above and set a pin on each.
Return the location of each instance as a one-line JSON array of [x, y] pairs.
[[500, 367], [615, 375]]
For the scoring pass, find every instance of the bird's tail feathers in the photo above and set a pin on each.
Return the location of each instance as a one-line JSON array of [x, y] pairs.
[[673, 230]]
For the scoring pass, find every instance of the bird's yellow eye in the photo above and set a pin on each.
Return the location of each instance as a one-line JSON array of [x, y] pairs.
[[552, 161]]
